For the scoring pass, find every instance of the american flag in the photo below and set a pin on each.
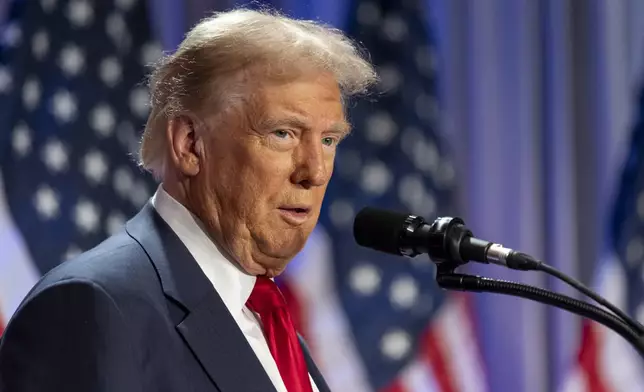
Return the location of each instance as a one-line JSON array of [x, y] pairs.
[[72, 103], [376, 322], [606, 362]]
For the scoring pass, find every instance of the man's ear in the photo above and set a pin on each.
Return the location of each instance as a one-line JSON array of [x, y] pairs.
[[183, 145]]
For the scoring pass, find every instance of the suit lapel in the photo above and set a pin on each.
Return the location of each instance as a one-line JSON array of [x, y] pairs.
[[208, 328], [215, 339], [315, 373]]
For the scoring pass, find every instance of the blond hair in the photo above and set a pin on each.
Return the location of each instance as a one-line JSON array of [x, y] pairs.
[[208, 67]]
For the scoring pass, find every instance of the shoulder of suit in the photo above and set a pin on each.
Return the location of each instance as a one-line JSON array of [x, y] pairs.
[[118, 265]]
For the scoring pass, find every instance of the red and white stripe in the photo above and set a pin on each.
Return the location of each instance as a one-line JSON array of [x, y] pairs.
[[17, 271], [606, 362], [449, 359]]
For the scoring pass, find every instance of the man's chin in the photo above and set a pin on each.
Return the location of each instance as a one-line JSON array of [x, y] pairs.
[[274, 272], [267, 263], [274, 254], [276, 263], [270, 268]]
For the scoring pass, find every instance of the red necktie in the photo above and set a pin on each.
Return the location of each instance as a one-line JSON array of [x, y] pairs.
[[267, 301]]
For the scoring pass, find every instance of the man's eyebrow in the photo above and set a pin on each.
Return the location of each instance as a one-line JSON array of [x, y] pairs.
[[293, 121], [342, 127]]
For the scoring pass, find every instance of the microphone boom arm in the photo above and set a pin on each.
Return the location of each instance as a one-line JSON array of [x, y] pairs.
[[448, 280]]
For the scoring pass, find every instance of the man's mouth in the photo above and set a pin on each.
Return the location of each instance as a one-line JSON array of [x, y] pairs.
[[295, 215]]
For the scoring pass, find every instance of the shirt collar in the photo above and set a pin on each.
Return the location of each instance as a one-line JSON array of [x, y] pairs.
[[233, 285]]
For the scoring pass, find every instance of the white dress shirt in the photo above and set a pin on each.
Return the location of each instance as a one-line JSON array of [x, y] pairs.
[[233, 285]]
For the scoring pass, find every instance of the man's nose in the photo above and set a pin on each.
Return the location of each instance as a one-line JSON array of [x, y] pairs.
[[311, 167]]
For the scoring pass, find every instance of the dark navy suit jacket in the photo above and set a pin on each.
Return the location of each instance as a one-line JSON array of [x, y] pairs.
[[136, 313]]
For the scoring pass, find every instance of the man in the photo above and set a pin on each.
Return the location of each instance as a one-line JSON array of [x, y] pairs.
[[245, 121]]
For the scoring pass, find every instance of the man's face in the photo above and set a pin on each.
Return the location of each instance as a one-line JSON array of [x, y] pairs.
[[265, 171]]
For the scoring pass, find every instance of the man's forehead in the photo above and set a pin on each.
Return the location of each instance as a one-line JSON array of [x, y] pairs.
[[299, 101]]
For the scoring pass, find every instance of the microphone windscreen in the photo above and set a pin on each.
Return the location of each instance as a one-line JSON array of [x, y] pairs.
[[379, 229]]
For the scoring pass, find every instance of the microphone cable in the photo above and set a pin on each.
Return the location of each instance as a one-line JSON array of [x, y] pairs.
[[537, 265]]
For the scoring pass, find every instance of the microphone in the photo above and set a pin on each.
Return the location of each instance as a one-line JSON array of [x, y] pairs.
[[446, 240], [450, 244]]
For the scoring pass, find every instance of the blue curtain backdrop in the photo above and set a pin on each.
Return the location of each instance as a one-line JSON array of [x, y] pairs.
[[537, 98]]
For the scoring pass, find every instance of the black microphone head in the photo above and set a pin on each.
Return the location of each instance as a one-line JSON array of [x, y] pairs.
[[379, 229]]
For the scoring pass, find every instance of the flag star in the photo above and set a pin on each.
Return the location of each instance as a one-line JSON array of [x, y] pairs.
[[48, 5], [6, 81], [139, 102], [126, 135], [395, 28], [21, 139], [424, 305], [341, 213], [425, 156], [102, 120], [86, 216], [411, 185], [71, 252], [390, 78], [368, 13], [80, 13], [634, 251], [114, 25], [411, 137], [31, 93], [125, 5], [71, 60], [395, 344], [12, 35], [427, 206], [403, 292], [123, 181], [380, 128], [115, 221], [139, 194], [40, 44], [110, 71], [95, 167], [445, 176], [365, 279], [117, 30], [412, 192], [64, 106], [426, 107], [150, 53], [56, 156], [47, 202], [376, 178]]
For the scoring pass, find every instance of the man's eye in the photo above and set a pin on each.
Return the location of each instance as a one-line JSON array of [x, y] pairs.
[[329, 141], [280, 133]]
